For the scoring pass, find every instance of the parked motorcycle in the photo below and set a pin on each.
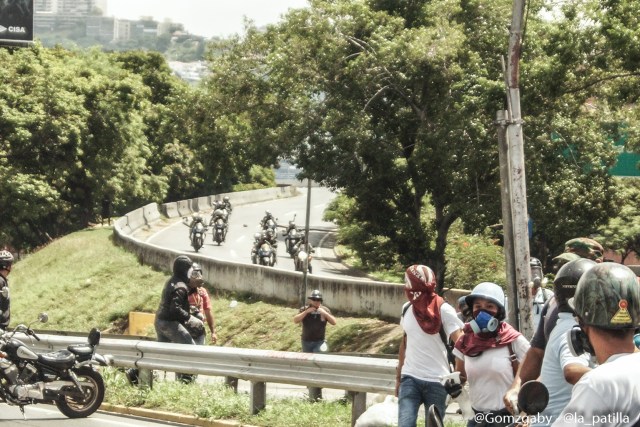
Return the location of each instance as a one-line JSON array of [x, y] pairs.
[[65, 377]]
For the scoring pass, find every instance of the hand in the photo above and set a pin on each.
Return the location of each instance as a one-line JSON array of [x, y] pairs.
[[453, 389], [214, 337], [511, 400]]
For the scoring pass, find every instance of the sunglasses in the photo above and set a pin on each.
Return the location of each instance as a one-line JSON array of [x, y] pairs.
[[315, 299]]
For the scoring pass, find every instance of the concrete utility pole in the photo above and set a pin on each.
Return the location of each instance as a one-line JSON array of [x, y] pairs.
[[305, 266], [519, 307]]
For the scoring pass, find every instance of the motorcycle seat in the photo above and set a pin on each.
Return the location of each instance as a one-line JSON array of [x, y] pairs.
[[81, 349], [59, 359]]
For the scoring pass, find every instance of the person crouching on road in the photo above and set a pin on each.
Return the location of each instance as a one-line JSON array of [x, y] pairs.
[[422, 358], [488, 355]]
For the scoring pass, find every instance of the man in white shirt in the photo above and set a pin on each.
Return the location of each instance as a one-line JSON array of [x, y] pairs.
[[422, 361], [607, 303]]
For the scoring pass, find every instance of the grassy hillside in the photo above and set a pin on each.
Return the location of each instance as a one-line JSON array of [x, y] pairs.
[[84, 280]]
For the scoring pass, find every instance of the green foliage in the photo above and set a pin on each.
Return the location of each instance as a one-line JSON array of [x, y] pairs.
[[622, 233], [394, 104]]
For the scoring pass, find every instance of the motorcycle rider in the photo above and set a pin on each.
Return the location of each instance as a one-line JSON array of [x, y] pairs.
[[539, 293], [227, 204], [267, 216], [560, 369], [196, 218], [607, 304], [6, 262], [222, 214], [173, 318]]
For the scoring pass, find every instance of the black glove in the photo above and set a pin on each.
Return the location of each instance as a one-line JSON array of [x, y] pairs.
[[453, 389]]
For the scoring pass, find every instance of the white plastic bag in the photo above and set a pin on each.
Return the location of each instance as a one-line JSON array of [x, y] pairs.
[[384, 414]]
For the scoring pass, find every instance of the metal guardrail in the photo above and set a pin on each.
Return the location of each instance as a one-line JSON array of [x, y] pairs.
[[355, 374]]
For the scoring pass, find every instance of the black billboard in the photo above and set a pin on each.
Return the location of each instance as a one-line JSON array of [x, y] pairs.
[[16, 22]]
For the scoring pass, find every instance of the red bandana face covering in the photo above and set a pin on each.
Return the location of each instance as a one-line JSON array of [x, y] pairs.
[[419, 286]]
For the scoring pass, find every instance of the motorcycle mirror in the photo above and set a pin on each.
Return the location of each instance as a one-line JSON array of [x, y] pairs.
[[43, 317], [433, 417], [94, 337], [533, 397]]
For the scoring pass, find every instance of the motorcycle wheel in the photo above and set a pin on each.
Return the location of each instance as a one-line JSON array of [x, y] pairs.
[[93, 389]]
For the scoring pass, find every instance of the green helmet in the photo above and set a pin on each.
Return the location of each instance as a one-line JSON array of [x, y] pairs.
[[608, 296], [585, 247]]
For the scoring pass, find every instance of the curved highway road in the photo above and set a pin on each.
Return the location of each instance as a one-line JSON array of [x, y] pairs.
[[245, 221]]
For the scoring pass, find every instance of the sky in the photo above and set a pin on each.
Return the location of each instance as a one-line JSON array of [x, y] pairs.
[[206, 18]]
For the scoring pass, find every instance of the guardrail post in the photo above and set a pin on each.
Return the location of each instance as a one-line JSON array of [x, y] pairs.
[[358, 405], [145, 378], [232, 383], [258, 396], [315, 393]]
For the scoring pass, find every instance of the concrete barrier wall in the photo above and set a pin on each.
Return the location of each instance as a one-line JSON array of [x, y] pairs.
[[374, 299]]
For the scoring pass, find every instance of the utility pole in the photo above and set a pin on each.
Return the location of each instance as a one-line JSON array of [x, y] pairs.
[[305, 266], [520, 306]]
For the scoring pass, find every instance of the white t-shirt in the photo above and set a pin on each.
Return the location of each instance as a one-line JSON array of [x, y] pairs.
[[542, 296], [490, 375], [609, 395], [426, 356], [556, 356]]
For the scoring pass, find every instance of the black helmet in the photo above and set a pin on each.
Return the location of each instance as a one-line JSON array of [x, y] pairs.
[[566, 281], [608, 297], [181, 266], [6, 259], [316, 295]]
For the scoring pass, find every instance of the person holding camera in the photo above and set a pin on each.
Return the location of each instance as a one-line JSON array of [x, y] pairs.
[[200, 303], [314, 318]]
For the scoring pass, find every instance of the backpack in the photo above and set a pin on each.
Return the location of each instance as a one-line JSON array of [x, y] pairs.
[[443, 336]]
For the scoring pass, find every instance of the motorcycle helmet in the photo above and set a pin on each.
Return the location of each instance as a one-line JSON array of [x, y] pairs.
[[225, 199], [566, 281], [608, 297], [181, 267], [491, 292], [585, 247], [562, 259], [536, 272], [315, 295], [6, 259]]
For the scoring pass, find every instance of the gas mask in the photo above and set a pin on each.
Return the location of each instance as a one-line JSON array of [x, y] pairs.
[[578, 341], [484, 321]]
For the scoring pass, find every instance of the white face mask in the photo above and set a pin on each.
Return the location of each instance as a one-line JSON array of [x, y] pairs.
[[190, 272]]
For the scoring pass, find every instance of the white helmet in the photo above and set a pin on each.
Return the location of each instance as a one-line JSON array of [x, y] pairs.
[[489, 291]]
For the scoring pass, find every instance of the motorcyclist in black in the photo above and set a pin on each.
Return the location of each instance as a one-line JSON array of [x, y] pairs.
[[227, 204], [6, 261], [267, 216], [173, 318]]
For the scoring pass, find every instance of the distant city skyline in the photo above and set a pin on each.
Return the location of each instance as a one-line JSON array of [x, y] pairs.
[[208, 18]]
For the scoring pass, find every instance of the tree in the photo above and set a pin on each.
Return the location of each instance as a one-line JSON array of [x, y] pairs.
[[394, 101], [622, 233]]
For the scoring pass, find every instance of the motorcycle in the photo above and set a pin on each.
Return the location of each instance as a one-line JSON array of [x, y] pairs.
[[292, 237], [300, 258], [65, 377], [219, 231], [197, 232], [266, 255]]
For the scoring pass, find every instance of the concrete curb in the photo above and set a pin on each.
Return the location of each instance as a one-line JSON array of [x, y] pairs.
[[170, 416]]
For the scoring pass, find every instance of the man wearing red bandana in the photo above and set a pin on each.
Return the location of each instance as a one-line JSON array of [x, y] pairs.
[[422, 359]]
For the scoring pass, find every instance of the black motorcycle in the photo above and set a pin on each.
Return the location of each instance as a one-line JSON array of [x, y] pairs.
[[66, 378], [266, 255], [292, 237], [219, 231]]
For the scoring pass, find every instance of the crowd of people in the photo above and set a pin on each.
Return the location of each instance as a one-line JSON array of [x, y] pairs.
[[583, 348]]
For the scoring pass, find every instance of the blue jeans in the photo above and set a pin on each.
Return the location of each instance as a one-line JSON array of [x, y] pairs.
[[414, 392], [312, 346]]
